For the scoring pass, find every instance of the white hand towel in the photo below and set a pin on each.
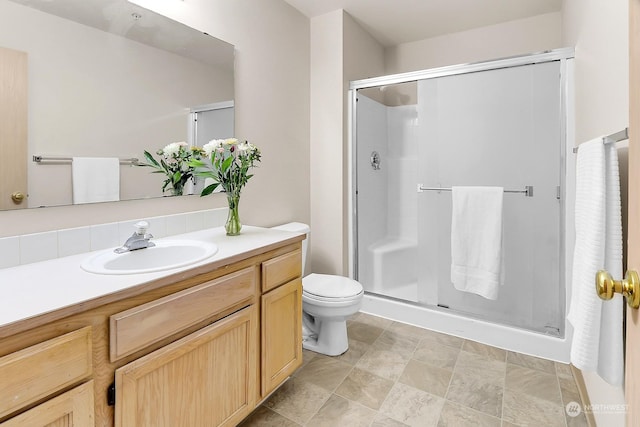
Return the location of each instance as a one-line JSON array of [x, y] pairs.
[[597, 343], [476, 240], [95, 179]]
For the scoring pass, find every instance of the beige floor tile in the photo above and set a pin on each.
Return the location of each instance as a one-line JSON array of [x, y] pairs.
[[436, 354], [454, 415], [363, 332], [485, 350], [307, 355], [324, 371], [531, 362], [297, 400], [579, 420], [563, 370], [421, 333], [477, 393], [427, 378], [398, 375], [412, 406], [265, 417], [365, 388], [533, 382], [569, 391], [338, 411], [372, 320], [356, 350], [385, 363], [390, 340], [477, 366], [526, 410], [384, 421]]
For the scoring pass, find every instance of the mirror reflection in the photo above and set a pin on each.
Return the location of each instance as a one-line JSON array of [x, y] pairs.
[[87, 87]]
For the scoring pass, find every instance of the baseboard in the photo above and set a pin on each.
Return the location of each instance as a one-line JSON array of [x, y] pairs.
[[584, 396]]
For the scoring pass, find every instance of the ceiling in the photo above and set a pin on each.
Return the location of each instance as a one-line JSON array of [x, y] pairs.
[[394, 22]]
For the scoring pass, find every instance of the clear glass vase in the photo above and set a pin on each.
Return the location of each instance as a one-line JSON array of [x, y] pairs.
[[233, 224]]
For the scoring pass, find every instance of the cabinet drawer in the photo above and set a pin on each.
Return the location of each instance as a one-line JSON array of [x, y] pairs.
[[141, 326], [38, 371], [73, 408], [281, 269]]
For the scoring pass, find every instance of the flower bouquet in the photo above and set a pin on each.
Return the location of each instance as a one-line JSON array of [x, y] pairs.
[[175, 163], [227, 163]]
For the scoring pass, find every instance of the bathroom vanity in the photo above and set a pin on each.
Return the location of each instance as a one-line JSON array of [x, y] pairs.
[[197, 346]]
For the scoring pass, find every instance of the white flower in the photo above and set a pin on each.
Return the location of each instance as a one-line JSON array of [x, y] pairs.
[[230, 141], [171, 149], [211, 145]]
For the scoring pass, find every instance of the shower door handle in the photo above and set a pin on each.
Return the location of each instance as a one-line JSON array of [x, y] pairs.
[[375, 160], [606, 287]]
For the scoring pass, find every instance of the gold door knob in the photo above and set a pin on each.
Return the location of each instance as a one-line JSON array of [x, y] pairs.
[[17, 197], [629, 287]]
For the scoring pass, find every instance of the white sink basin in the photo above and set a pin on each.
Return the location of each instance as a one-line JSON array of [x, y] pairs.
[[165, 255]]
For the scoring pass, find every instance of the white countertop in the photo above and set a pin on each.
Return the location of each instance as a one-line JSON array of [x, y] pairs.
[[32, 290]]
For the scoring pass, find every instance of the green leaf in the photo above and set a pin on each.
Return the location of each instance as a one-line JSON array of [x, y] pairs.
[[151, 160], [227, 162], [209, 189]]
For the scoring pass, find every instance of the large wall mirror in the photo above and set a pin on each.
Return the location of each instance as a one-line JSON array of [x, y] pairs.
[[101, 79]]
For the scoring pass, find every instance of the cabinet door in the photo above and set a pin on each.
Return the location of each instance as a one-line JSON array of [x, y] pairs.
[[206, 379], [281, 334], [71, 409]]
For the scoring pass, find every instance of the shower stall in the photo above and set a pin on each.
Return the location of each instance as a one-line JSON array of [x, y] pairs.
[[414, 136]]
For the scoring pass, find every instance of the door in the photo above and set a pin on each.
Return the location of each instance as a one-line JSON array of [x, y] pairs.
[[208, 378], [281, 334], [13, 129], [632, 357]]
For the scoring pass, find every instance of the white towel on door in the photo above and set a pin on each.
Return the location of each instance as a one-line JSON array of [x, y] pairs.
[[597, 343], [476, 240], [95, 179]]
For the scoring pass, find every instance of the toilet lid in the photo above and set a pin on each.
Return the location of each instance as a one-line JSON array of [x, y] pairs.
[[330, 286]]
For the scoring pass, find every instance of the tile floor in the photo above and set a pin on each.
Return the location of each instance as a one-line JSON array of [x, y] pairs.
[[400, 375]]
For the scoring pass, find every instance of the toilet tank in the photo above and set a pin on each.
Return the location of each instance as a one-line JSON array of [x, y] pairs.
[[298, 227]]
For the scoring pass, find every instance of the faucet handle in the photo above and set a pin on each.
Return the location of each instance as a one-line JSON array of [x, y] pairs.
[[141, 227]]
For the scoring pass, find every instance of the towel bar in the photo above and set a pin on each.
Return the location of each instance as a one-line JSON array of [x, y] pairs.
[[528, 190], [39, 159]]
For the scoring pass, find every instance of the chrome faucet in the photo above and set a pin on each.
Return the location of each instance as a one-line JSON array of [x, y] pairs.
[[138, 240]]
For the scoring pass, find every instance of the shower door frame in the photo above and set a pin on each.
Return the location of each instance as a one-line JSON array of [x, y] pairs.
[[563, 55]]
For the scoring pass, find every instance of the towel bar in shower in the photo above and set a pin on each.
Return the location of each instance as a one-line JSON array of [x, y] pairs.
[[528, 190]]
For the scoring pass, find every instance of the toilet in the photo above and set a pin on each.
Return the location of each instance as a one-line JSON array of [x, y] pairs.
[[327, 302]]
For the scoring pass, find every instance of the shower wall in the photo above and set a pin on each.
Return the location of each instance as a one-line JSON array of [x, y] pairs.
[[387, 198]]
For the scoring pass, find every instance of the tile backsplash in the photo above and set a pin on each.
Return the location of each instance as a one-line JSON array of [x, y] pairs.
[[29, 248]]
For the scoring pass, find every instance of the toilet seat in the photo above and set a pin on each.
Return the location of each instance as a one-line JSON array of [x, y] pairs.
[[328, 287]]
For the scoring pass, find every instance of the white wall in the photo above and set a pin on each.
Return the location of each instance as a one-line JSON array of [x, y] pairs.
[[599, 31], [340, 51], [272, 111], [522, 36]]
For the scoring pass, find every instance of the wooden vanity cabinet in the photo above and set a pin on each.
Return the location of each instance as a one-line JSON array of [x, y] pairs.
[[200, 348], [281, 321], [207, 378]]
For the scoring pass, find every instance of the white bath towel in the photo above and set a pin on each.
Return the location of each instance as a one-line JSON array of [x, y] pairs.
[[597, 343], [95, 179], [476, 240]]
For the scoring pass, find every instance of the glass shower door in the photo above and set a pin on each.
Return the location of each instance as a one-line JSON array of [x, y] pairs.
[[499, 128]]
